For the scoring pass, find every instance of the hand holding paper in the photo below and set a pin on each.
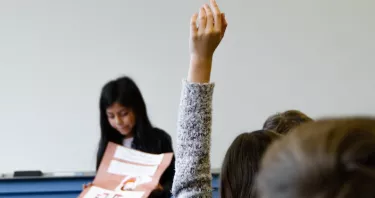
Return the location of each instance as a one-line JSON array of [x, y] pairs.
[[127, 173]]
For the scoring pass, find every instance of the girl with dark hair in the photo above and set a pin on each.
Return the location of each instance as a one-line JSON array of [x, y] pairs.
[[124, 120]]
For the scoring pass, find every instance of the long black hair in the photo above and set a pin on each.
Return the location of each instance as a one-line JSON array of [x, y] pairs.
[[241, 163], [125, 92]]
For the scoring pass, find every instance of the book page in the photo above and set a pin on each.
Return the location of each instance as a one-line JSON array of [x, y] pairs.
[[96, 192], [125, 172], [137, 156], [122, 168]]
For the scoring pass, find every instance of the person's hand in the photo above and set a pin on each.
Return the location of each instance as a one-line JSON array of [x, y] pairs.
[[157, 192], [204, 40], [159, 187], [205, 37], [84, 186]]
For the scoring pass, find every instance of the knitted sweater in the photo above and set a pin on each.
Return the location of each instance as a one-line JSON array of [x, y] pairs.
[[193, 169]]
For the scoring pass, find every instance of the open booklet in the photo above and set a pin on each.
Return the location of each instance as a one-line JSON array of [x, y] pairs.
[[127, 173]]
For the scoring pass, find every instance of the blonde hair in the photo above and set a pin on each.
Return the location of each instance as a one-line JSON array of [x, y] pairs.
[[332, 158]]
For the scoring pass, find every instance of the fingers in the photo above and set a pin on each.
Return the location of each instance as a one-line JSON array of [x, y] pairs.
[[193, 25], [224, 24], [210, 19], [202, 21], [84, 186], [217, 15]]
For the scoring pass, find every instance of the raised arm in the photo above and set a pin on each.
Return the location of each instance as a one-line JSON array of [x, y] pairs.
[[193, 175]]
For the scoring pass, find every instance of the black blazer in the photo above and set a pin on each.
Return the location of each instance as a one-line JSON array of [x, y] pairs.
[[162, 144]]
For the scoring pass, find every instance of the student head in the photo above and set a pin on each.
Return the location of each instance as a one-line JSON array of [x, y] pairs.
[[241, 163], [284, 122], [122, 114], [323, 159]]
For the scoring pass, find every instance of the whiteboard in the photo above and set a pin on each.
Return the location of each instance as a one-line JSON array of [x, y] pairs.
[[311, 55]]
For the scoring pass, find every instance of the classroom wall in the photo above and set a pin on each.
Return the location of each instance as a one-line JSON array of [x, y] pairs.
[[312, 55]]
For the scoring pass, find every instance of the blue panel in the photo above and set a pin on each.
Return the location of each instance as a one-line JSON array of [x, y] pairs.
[[43, 185], [215, 181], [215, 194], [46, 195], [215, 185], [57, 187]]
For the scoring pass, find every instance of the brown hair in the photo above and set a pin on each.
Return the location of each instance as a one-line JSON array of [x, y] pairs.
[[324, 159], [241, 163], [284, 122]]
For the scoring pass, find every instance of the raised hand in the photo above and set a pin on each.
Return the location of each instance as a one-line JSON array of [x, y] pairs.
[[207, 29]]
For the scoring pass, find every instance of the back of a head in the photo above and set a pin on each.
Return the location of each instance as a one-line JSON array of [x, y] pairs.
[[241, 163], [325, 159], [283, 122]]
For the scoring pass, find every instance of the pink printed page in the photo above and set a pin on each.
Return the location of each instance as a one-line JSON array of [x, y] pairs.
[[127, 173]]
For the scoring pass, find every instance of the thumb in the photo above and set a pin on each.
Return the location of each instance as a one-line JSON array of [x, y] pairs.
[[224, 24]]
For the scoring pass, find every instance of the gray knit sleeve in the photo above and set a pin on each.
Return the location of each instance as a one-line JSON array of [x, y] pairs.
[[193, 169]]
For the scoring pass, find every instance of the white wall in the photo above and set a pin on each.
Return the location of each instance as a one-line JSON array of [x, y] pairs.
[[312, 55]]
